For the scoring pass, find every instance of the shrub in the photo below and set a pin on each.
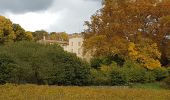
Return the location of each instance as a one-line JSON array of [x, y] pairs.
[[118, 77], [101, 76], [166, 83], [96, 62], [149, 77], [135, 73], [160, 73], [168, 70], [7, 66], [98, 78], [69, 70]]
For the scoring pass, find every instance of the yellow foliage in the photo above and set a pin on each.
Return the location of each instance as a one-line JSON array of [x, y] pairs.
[[146, 54], [152, 64], [132, 52], [29, 36]]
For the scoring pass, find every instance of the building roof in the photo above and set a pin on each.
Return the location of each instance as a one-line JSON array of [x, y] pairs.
[[54, 41]]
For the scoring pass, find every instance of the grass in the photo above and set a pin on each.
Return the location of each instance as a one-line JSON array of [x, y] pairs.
[[34, 92], [148, 86]]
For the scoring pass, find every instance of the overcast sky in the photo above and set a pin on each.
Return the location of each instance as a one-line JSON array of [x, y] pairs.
[[50, 15]]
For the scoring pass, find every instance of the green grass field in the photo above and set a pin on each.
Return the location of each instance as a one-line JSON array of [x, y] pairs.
[[34, 92]]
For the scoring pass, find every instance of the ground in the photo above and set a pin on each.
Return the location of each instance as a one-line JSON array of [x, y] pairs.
[[34, 92]]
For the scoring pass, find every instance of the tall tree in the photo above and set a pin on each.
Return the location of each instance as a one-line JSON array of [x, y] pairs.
[[123, 21]]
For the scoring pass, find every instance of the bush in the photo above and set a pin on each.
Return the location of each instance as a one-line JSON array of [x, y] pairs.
[[7, 66], [96, 62], [118, 77], [98, 78], [149, 77], [70, 70], [102, 76], [168, 70], [166, 83], [160, 73], [42, 64], [138, 74], [134, 72]]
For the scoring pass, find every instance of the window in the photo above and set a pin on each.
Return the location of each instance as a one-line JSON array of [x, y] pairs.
[[71, 43], [79, 51], [79, 43]]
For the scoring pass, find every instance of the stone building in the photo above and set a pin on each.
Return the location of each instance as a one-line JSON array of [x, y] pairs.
[[74, 45]]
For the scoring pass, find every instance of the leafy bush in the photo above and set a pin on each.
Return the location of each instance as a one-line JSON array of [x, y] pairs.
[[7, 66], [160, 73], [168, 70], [96, 62], [102, 76], [166, 83], [118, 77], [149, 77], [42, 64], [98, 78], [135, 73]]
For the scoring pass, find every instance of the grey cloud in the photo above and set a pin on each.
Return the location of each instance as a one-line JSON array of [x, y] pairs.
[[94, 0], [77, 11], [22, 6], [70, 14]]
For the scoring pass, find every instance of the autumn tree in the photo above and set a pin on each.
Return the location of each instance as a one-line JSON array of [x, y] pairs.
[[6, 30], [122, 21], [11, 32], [61, 36], [145, 53], [21, 34]]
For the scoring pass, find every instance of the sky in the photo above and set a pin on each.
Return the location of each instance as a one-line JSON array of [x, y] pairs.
[[50, 15]]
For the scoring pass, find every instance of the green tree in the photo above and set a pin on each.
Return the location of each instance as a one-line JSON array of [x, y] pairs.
[[39, 35], [62, 36], [7, 67], [44, 64]]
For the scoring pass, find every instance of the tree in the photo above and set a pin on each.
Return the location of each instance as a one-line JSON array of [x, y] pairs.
[[62, 36], [21, 34], [122, 21], [39, 34], [7, 67], [31, 62], [145, 53], [28, 36], [10, 32], [6, 30]]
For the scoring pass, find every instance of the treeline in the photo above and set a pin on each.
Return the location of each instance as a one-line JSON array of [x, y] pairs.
[[30, 62], [11, 32]]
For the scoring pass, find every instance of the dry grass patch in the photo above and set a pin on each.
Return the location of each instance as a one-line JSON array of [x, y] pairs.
[[34, 92]]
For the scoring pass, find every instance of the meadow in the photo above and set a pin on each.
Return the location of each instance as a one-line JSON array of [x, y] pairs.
[[34, 92]]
